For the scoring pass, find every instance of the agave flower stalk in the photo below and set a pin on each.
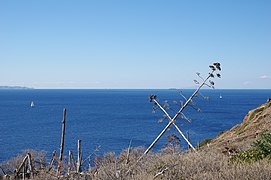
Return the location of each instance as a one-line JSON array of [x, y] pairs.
[[216, 66]]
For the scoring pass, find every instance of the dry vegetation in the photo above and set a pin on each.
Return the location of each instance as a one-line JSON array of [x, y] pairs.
[[241, 136], [189, 165]]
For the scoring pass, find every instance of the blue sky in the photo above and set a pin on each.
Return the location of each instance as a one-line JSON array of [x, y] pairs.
[[134, 44]]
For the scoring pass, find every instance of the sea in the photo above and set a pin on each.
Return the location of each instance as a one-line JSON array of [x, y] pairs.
[[109, 120]]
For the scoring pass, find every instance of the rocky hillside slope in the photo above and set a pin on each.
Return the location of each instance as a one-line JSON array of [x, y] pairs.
[[242, 135]]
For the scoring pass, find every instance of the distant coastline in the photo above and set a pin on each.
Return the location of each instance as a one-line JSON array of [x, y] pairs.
[[14, 87]]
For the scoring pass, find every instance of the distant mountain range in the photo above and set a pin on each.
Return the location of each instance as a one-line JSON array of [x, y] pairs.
[[14, 87]]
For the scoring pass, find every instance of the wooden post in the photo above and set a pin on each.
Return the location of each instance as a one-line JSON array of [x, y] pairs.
[[52, 160], [24, 171], [22, 164], [73, 160], [128, 152], [69, 163], [30, 166], [79, 157], [27, 159], [62, 139]]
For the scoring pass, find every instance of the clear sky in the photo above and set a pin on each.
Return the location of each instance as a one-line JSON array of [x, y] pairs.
[[134, 44]]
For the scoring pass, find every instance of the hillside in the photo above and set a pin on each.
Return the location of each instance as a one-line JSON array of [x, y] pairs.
[[242, 135]]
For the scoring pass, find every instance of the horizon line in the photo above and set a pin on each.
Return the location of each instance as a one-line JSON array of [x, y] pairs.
[[110, 88]]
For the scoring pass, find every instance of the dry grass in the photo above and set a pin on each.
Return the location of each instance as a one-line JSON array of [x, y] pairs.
[[38, 158], [189, 165], [205, 165]]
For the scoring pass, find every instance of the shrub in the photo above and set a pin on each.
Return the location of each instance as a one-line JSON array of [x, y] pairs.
[[260, 149]]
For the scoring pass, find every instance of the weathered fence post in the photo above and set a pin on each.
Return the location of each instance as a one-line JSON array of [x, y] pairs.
[[30, 165], [69, 163], [79, 157], [73, 160], [27, 159], [52, 160], [128, 153], [62, 140]]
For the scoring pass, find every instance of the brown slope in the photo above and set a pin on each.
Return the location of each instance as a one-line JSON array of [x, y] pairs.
[[242, 135]]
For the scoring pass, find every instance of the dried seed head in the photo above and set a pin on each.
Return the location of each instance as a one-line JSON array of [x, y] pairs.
[[196, 82], [212, 67], [211, 75], [212, 82], [151, 98], [217, 66]]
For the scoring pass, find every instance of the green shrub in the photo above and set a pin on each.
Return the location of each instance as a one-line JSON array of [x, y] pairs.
[[260, 149]]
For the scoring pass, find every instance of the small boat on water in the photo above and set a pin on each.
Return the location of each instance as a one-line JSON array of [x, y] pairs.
[[32, 104], [220, 97]]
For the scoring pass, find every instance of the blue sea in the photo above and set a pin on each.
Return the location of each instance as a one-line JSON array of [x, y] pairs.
[[107, 120]]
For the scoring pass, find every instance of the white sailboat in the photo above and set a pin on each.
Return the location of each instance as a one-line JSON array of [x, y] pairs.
[[220, 97], [32, 104]]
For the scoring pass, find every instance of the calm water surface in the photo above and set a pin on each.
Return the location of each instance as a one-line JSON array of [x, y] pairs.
[[111, 118]]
